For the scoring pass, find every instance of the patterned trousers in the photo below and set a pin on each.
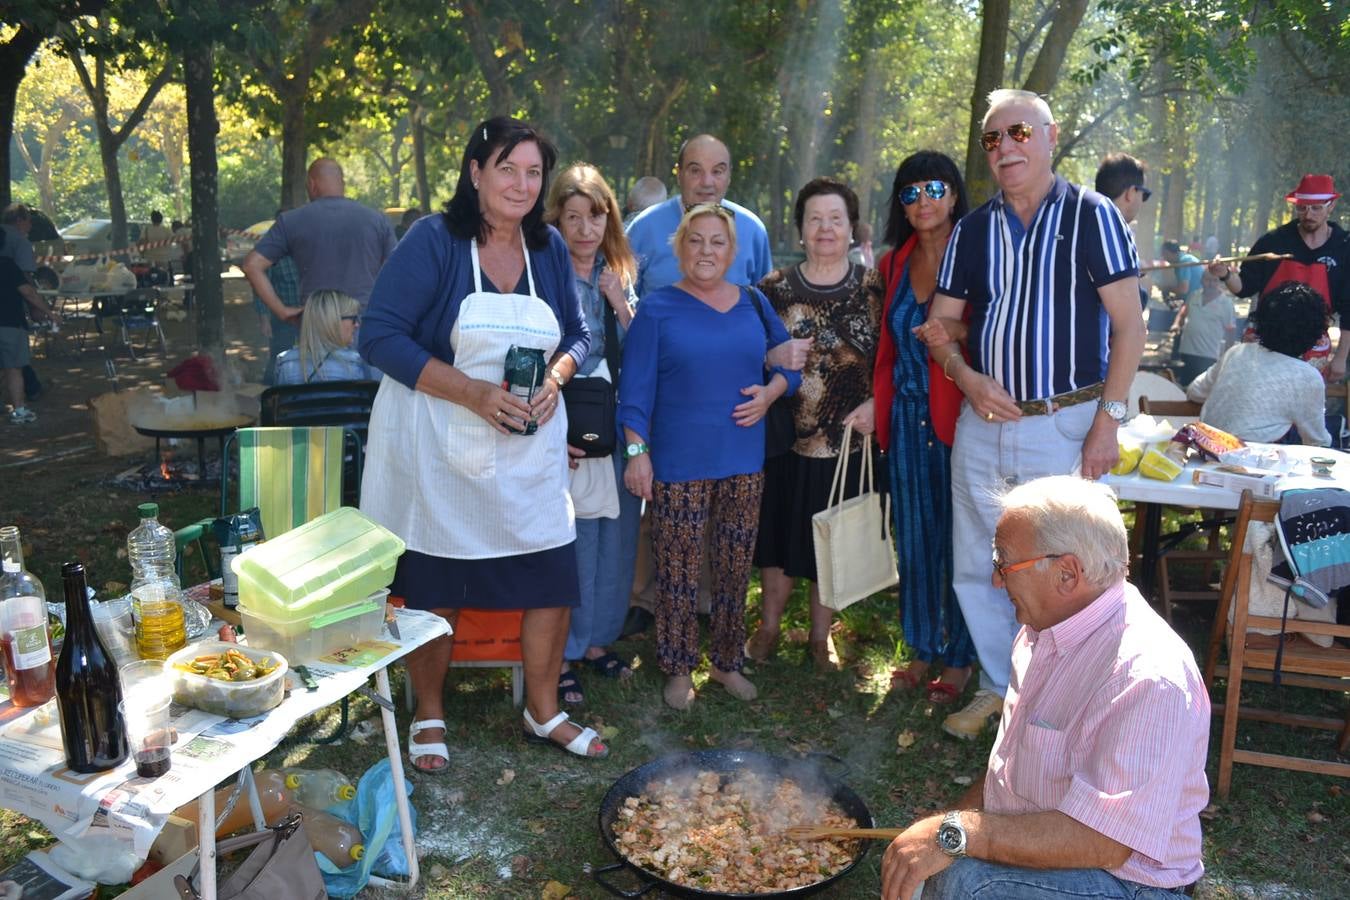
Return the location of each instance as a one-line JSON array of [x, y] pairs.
[[681, 512]]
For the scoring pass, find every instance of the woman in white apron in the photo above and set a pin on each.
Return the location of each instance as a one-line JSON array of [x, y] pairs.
[[483, 508]]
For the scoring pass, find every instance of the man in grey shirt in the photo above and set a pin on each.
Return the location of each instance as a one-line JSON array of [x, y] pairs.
[[337, 243]]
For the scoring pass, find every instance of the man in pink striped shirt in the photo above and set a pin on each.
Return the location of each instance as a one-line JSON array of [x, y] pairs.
[[1097, 777]]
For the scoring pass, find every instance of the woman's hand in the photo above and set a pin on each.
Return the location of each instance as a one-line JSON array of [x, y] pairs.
[[497, 406], [791, 354], [757, 407], [987, 397], [574, 454], [637, 476], [545, 401], [863, 419], [939, 331]]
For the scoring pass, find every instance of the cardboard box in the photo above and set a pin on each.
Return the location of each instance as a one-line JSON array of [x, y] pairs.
[[1263, 487]]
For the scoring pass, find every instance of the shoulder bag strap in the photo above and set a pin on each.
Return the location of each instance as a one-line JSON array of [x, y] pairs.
[[611, 343], [759, 308]]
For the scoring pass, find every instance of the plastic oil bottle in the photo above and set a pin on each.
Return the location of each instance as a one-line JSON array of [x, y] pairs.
[[322, 789], [337, 839], [156, 598], [272, 797]]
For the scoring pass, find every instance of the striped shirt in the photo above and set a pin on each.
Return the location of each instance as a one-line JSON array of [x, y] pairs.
[[1037, 325], [1107, 720]]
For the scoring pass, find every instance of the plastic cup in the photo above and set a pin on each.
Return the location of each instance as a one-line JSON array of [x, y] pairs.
[[117, 630], [149, 733]]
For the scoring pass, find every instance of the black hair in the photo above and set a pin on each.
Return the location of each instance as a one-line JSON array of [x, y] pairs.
[[925, 165], [491, 142], [1169, 246], [157, 217], [1290, 319], [1118, 173], [817, 187]]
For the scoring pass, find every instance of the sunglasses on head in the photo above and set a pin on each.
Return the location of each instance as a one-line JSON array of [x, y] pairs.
[[1018, 131], [936, 190]]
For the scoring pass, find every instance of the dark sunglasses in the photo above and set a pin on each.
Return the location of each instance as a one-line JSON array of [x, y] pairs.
[[1145, 191], [936, 190], [1018, 131], [351, 318]]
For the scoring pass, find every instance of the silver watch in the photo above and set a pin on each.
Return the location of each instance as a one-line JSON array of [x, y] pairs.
[[951, 835], [1116, 409]]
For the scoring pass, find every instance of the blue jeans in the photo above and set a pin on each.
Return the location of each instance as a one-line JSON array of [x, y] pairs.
[[988, 458], [606, 555], [973, 878]]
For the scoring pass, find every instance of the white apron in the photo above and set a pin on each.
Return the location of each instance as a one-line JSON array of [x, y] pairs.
[[446, 481]]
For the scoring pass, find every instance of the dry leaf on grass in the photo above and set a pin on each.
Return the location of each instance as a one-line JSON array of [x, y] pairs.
[[963, 780], [608, 732], [508, 776], [1316, 818], [554, 891], [1210, 813], [906, 740], [536, 826]]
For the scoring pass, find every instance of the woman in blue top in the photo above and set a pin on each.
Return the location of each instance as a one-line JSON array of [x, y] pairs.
[[324, 351], [481, 502], [585, 210], [691, 405]]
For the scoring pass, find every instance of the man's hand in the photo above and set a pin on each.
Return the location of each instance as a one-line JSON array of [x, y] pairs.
[[911, 858], [1101, 451], [574, 454], [987, 397], [790, 354]]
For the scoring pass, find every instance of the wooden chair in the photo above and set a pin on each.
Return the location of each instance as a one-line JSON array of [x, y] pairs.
[[1179, 412], [1301, 666]]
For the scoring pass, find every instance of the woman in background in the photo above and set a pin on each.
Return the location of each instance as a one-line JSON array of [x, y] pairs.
[[324, 351], [916, 411], [585, 211]]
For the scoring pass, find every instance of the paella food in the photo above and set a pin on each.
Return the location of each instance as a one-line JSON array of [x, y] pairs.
[[706, 832]]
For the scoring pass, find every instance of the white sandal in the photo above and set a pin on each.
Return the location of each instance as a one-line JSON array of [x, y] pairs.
[[418, 750], [579, 745]]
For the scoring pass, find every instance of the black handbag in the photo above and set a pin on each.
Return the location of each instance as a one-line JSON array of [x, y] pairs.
[[780, 430], [591, 402]]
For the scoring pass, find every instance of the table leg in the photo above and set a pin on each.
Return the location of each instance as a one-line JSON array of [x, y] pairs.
[[396, 772], [1148, 553], [201, 458], [206, 843]]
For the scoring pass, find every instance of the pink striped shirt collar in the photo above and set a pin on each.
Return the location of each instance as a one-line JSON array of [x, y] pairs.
[[1071, 632]]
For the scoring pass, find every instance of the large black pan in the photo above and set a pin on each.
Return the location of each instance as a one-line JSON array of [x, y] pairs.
[[730, 762]]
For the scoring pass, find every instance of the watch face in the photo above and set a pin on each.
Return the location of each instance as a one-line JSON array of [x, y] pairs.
[[632, 450], [949, 838]]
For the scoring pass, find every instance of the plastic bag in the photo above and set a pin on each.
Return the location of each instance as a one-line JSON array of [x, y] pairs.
[[375, 812]]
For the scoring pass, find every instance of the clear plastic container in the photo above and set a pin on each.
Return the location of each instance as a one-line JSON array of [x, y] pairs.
[[156, 597], [332, 562], [306, 639], [233, 699]]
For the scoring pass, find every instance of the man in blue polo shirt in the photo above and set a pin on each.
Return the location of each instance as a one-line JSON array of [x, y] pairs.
[[1050, 272]]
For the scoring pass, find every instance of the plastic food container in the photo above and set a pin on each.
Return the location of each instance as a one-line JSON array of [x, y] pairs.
[[233, 699], [324, 566], [307, 639]]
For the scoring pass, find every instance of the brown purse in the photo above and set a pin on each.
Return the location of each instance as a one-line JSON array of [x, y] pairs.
[[282, 865]]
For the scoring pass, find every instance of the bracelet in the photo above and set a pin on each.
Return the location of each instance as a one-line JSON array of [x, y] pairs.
[[947, 362]]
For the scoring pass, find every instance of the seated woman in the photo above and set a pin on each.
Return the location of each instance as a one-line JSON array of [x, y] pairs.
[[324, 351], [1264, 392]]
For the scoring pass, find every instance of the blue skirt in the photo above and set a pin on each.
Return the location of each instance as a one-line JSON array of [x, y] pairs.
[[547, 578]]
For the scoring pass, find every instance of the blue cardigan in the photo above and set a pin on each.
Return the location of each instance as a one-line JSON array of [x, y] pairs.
[[684, 365], [418, 293]]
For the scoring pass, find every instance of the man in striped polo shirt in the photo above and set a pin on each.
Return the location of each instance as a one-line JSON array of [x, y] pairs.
[[1050, 271]]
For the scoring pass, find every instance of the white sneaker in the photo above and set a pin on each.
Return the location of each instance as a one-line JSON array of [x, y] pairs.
[[967, 723], [22, 415]]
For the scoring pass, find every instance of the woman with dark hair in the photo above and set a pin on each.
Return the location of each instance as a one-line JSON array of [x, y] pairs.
[[837, 304], [471, 475], [1266, 392], [916, 409], [585, 210]]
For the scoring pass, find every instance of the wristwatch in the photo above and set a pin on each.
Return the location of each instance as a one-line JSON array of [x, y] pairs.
[[951, 835], [633, 450], [1116, 409], [557, 377]]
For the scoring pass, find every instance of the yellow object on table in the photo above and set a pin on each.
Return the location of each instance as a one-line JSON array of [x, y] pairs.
[[1158, 465], [1130, 454]]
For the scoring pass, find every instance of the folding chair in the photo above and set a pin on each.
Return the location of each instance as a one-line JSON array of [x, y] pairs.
[[139, 309], [345, 403], [1300, 666]]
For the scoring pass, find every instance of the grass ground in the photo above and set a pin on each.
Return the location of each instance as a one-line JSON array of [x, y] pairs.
[[1281, 834]]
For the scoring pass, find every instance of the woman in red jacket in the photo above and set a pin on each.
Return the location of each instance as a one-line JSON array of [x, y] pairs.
[[916, 408]]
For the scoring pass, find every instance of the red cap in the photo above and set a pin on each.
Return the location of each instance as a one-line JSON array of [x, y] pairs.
[[1313, 189]]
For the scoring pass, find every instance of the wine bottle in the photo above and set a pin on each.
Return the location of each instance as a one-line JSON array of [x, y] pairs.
[[24, 643], [88, 691]]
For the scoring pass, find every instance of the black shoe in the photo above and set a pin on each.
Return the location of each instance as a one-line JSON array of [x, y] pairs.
[[637, 621]]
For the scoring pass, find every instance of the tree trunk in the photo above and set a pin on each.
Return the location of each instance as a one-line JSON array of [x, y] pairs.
[[1228, 198], [294, 143], [14, 56], [209, 299], [501, 95], [988, 77], [419, 136], [1045, 70], [865, 143]]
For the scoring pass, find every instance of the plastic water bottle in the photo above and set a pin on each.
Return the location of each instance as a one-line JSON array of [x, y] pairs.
[[337, 839], [156, 597], [322, 789]]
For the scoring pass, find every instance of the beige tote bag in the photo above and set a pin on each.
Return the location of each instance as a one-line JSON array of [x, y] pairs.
[[854, 555]]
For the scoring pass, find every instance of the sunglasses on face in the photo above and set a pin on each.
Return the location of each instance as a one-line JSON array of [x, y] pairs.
[[1020, 132], [1302, 208], [936, 190], [1144, 191], [352, 319]]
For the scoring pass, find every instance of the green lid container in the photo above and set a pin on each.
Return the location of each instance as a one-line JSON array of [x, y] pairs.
[[338, 559]]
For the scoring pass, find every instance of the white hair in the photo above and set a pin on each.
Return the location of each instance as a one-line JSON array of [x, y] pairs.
[[647, 191], [1071, 515], [1009, 96]]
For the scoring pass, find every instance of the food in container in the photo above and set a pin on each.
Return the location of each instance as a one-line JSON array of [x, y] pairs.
[[210, 676]]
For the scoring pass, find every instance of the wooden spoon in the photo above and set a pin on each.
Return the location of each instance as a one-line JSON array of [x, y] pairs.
[[810, 833]]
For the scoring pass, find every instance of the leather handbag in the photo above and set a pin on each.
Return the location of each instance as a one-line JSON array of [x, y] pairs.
[[591, 402], [780, 429], [854, 555], [281, 865]]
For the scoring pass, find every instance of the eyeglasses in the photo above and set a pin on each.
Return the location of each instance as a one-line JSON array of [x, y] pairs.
[[936, 190], [1301, 208], [1006, 569], [352, 319], [1019, 131], [1143, 190]]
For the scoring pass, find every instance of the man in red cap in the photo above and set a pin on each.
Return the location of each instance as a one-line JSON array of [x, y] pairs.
[[1319, 251]]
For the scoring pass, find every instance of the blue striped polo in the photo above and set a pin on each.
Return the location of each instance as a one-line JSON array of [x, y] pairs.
[[1038, 326]]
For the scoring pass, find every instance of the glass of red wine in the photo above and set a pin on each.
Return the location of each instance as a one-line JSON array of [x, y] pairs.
[[149, 731]]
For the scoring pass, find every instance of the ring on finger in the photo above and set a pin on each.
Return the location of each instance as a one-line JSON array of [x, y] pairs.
[[989, 416]]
